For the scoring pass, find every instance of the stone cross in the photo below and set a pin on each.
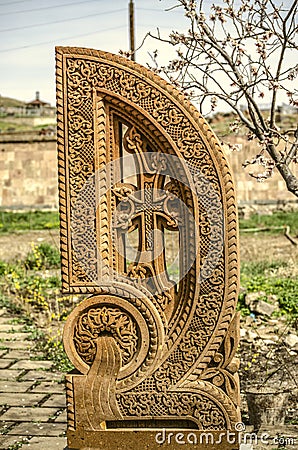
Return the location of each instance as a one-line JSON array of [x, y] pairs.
[[153, 351]]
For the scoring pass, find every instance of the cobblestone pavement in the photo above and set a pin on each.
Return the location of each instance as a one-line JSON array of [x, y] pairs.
[[32, 399]]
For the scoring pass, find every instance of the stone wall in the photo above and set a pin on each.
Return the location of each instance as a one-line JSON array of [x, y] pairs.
[[249, 190], [28, 174], [37, 121]]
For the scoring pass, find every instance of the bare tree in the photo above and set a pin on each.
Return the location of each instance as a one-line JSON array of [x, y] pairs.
[[243, 53]]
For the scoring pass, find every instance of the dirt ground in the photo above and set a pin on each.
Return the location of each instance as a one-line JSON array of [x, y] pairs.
[[15, 246], [253, 246], [259, 247]]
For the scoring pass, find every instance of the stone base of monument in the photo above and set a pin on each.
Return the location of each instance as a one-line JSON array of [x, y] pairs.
[[168, 439], [87, 430]]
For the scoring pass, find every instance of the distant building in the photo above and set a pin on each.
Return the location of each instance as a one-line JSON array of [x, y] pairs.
[[39, 108], [287, 109], [266, 107], [34, 109]]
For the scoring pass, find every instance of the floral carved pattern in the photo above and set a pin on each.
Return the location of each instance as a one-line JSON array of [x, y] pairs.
[[199, 407], [109, 321]]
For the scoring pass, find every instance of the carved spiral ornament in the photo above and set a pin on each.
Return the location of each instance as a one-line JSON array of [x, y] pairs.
[[129, 320]]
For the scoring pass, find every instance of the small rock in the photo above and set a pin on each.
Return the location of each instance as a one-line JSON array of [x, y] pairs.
[[249, 320], [245, 211], [252, 297], [265, 335], [269, 342], [243, 332], [264, 308], [251, 335], [291, 340], [273, 299], [273, 322]]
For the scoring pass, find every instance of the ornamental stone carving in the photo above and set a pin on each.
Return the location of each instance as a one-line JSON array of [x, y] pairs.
[[154, 337]]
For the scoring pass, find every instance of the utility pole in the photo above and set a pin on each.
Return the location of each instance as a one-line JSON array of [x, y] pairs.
[[132, 29]]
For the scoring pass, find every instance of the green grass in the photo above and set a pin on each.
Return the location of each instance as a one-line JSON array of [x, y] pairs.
[[277, 219], [16, 126], [284, 288], [255, 268], [13, 126], [27, 285], [13, 308], [39, 220], [42, 256], [26, 221], [264, 277], [51, 347], [44, 125]]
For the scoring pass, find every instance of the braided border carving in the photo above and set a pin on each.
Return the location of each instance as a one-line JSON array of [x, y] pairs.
[[61, 147]]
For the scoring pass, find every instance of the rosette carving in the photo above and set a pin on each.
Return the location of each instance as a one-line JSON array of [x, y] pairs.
[[105, 320]]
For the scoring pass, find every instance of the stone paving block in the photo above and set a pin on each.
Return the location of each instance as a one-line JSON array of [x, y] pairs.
[[21, 399], [38, 429], [7, 441], [5, 319], [16, 345], [56, 400], [21, 414], [7, 374], [51, 387], [21, 354], [15, 386], [10, 327], [5, 363], [3, 353], [32, 365], [49, 443], [14, 337], [3, 311], [4, 426], [35, 375], [62, 417]]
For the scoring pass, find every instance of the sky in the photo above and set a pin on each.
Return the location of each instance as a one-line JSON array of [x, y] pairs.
[[30, 29]]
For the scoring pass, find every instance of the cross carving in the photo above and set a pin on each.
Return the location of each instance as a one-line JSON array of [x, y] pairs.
[[148, 206]]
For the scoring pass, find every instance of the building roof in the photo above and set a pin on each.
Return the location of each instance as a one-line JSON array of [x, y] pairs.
[[36, 103]]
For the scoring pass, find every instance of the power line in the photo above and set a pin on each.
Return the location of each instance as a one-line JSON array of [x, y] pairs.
[[13, 3], [62, 39], [46, 7], [155, 10], [60, 21]]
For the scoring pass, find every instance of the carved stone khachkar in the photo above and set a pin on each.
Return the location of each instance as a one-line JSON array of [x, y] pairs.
[[153, 344]]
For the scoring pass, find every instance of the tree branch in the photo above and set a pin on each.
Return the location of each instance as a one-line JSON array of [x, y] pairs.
[[239, 53]]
